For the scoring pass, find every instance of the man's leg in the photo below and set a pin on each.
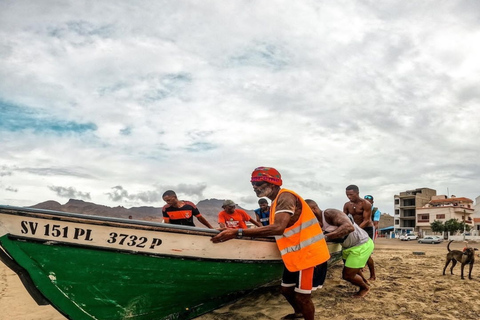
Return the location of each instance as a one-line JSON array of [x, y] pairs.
[[305, 304], [289, 294], [370, 263], [303, 293], [297, 289], [371, 268], [289, 282], [352, 275], [355, 259]]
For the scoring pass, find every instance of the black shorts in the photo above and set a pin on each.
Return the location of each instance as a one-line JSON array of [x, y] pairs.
[[369, 231], [290, 279]]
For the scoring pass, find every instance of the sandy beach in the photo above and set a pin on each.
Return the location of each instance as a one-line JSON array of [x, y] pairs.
[[408, 286]]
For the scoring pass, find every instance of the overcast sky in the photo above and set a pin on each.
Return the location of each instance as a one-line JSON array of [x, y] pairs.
[[114, 102]]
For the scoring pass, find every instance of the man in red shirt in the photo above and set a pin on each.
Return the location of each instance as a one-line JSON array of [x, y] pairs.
[[234, 218]]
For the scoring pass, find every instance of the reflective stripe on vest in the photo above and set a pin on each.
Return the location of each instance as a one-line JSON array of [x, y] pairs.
[[302, 245]]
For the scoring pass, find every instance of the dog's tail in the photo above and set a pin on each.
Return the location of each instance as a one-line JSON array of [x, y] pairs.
[[448, 246]]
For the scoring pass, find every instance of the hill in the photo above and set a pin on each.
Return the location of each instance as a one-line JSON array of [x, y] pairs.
[[208, 207]]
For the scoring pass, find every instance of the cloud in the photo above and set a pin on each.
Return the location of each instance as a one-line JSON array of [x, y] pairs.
[[192, 97], [119, 194], [69, 192], [4, 171]]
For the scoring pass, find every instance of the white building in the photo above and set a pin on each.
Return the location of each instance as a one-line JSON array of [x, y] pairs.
[[441, 208]]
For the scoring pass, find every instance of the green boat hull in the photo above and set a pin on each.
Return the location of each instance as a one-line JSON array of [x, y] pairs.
[[85, 283]]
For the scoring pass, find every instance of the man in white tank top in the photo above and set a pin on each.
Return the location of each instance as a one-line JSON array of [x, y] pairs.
[[357, 245]]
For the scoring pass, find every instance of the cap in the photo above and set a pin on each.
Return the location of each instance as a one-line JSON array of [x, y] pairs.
[[228, 203]]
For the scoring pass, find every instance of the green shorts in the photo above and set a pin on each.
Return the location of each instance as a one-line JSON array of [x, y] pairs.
[[356, 257]]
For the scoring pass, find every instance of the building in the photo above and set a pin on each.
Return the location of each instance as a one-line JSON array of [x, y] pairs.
[[443, 208], [476, 216], [405, 206]]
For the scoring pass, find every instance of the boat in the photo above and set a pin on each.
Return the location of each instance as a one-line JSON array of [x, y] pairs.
[[90, 267]]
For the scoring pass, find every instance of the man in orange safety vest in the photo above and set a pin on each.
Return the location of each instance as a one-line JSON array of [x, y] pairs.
[[299, 238]]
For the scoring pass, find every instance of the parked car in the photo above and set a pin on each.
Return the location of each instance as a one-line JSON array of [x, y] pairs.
[[408, 237], [431, 239]]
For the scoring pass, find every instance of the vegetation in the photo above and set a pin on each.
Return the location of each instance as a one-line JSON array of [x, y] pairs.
[[453, 226], [437, 226]]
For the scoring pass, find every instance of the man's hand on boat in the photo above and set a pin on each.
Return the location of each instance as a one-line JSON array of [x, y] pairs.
[[225, 235]]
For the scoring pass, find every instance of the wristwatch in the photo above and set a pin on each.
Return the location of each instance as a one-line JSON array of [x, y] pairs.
[[240, 233]]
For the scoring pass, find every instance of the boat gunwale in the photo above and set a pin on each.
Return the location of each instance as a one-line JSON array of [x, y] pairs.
[[115, 222]]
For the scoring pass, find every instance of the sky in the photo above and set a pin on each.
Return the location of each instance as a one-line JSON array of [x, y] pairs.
[[115, 102]]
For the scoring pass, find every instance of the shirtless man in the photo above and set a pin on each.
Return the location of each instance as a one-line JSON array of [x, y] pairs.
[[361, 211]]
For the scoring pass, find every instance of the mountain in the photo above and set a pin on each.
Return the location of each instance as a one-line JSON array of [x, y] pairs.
[[209, 208], [90, 208]]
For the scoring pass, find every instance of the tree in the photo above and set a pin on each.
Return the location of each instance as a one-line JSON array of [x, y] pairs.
[[437, 226], [453, 226], [463, 224]]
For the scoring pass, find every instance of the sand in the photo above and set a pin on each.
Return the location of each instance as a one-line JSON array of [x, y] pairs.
[[408, 286]]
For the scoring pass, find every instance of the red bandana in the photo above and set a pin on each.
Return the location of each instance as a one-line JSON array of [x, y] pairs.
[[267, 174]]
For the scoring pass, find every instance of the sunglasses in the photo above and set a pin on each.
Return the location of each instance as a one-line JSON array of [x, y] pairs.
[[258, 183], [368, 197]]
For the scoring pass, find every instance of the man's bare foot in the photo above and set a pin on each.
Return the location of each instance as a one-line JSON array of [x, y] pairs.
[[361, 293], [372, 278]]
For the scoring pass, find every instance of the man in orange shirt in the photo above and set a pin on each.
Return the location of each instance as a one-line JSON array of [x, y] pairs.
[[234, 218]]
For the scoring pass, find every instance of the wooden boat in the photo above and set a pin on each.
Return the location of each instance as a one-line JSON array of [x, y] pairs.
[[91, 267]]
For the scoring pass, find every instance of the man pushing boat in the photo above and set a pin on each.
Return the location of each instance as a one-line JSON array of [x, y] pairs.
[[298, 236]]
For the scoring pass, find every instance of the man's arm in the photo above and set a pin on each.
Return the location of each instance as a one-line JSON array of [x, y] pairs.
[[376, 218], [166, 218], [286, 203], [256, 223], [247, 217], [345, 208], [339, 219], [204, 222], [277, 228], [367, 214]]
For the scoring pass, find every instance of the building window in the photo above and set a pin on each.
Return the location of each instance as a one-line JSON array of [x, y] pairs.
[[440, 216], [408, 202], [397, 201], [397, 212], [409, 213], [424, 217], [397, 222]]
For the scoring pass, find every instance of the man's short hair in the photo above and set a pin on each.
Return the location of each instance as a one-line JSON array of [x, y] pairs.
[[169, 193], [309, 201], [352, 187], [262, 201]]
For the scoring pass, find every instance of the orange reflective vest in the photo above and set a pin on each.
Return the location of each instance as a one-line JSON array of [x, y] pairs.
[[301, 245]]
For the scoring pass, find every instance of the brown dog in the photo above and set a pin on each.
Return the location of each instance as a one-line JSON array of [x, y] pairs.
[[465, 257]]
